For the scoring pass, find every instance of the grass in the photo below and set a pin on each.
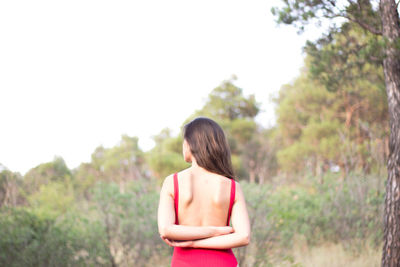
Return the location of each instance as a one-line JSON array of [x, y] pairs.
[[332, 255]]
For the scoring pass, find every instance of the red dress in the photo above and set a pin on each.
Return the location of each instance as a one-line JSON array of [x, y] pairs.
[[201, 257]]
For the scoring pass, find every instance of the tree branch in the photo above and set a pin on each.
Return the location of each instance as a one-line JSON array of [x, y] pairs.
[[341, 13], [332, 2], [364, 25], [336, 11]]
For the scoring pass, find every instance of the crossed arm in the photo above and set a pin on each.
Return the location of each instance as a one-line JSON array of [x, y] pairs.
[[216, 237]]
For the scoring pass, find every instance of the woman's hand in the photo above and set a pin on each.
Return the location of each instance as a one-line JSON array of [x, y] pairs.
[[173, 243], [223, 230]]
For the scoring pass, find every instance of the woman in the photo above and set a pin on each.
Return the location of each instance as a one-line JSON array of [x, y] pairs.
[[197, 203]]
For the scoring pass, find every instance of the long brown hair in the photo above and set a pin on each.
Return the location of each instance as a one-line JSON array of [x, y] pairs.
[[209, 146]]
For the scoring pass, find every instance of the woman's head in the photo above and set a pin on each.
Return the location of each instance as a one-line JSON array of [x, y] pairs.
[[208, 146]]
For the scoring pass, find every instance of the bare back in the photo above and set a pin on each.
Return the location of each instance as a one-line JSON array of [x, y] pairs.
[[203, 198]]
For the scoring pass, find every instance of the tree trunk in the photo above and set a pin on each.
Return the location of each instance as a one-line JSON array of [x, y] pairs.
[[111, 250], [391, 66]]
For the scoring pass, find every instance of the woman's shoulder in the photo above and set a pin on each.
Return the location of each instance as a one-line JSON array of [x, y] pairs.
[[180, 173], [239, 194], [169, 179]]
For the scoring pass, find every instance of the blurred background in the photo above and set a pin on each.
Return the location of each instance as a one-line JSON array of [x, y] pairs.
[[95, 94]]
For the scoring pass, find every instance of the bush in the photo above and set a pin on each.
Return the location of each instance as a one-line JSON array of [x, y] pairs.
[[119, 224]]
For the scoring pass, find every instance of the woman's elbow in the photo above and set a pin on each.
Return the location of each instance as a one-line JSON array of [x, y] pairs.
[[246, 239], [163, 231]]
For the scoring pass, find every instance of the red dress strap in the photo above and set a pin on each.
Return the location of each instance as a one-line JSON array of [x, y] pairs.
[[176, 196], [233, 191]]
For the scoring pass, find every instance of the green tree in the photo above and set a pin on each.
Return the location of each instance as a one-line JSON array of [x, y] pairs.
[[27, 239], [227, 102], [10, 188], [382, 19], [320, 127], [121, 163], [52, 199], [235, 112], [259, 155], [45, 173], [166, 156], [128, 221]]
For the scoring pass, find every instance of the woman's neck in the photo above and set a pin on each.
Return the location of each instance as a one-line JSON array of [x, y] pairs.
[[197, 169]]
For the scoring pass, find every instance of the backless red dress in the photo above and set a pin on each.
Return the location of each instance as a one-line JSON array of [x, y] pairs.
[[201, 257]]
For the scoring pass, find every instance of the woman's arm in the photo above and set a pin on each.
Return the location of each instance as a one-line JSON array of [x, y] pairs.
[[166, 219], [240, 223], [185, 232]]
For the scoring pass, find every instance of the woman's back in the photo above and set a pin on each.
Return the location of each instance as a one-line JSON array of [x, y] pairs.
[[204, 198]]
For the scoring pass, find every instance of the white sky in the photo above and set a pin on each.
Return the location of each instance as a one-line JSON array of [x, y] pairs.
[[77, 74]]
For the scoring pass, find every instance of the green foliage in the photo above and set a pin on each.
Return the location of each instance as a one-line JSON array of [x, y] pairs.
[[86, 175], [29, 240], [121, 162], [336, 109], [166, 157], [10, 188], [54, 171], [263, 234], [227, 103], [236, 114], [344, 56], [290, 157], [118, 225], [52, 200], [346, 62], [307, 125], [334, 210], [302, 12], [243, 130], [316, 209], [128, 220]]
